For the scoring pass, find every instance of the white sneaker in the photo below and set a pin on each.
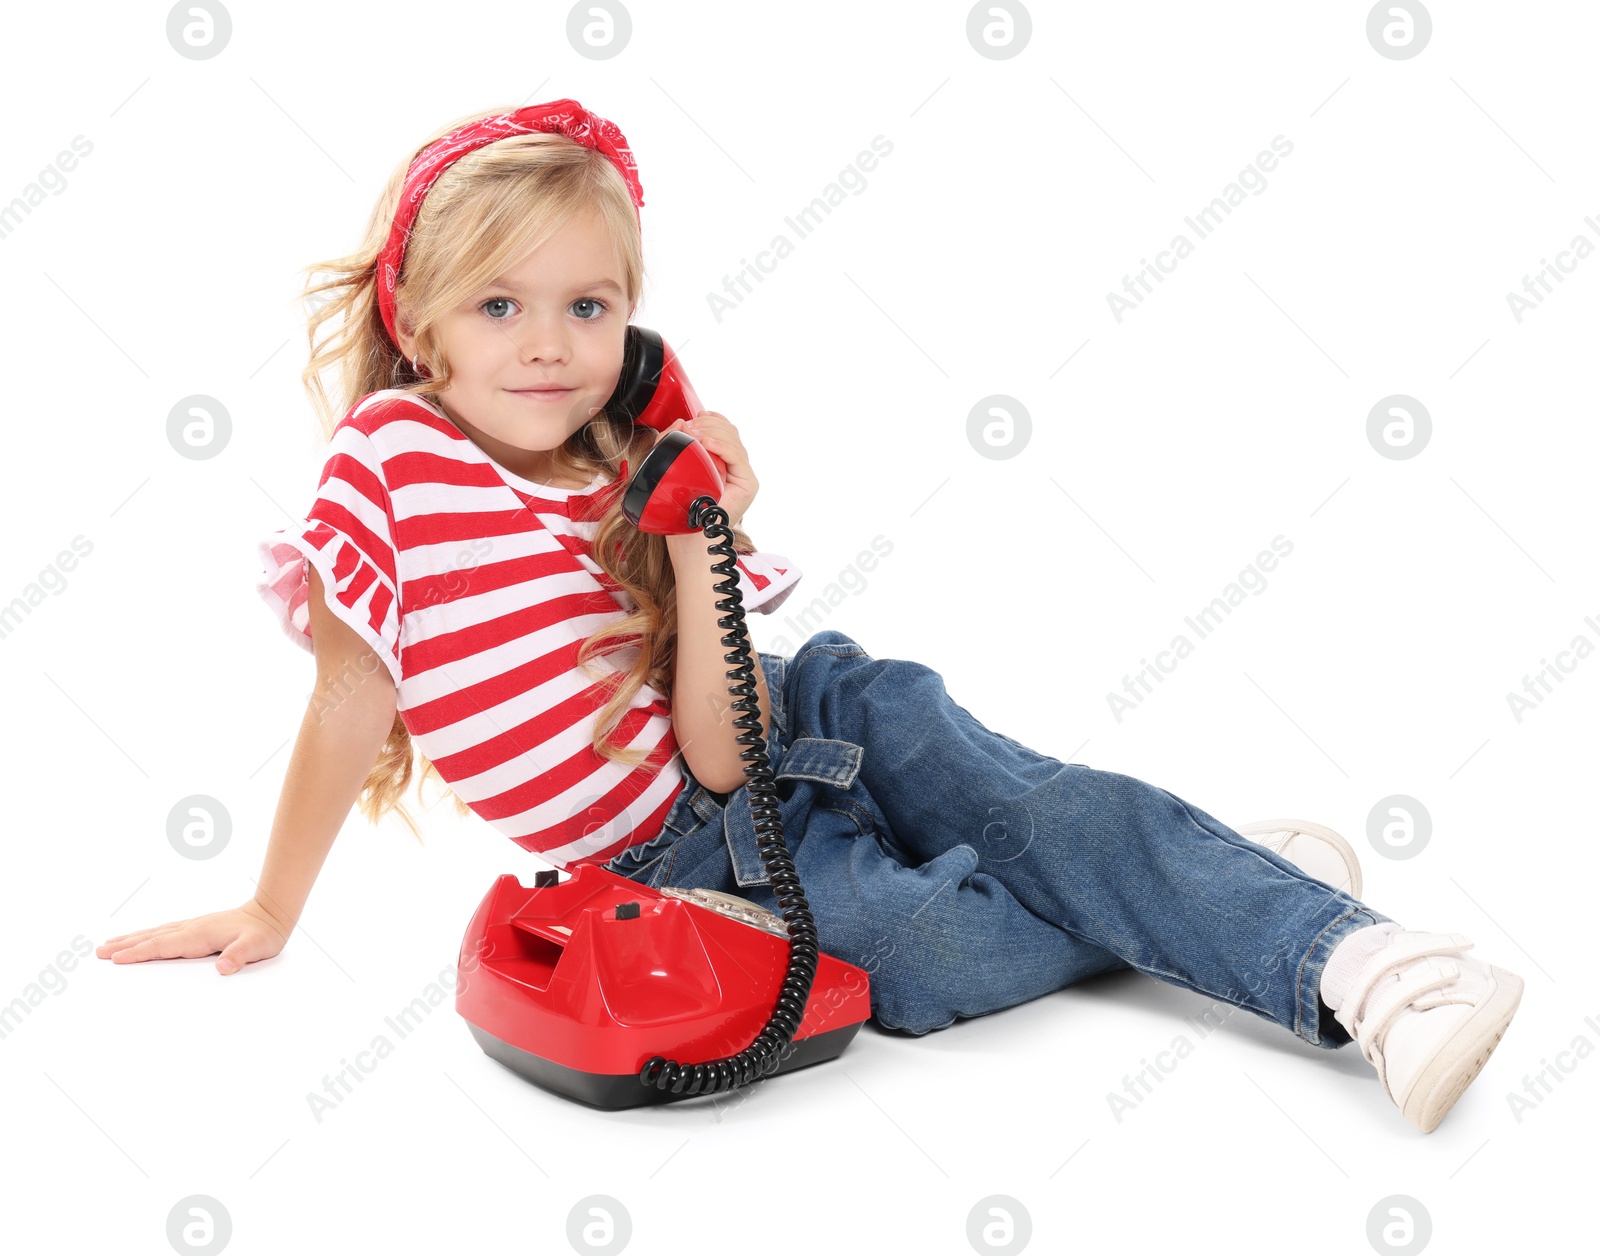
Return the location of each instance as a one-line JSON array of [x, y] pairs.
[[1430, 1032], [1313, 848]]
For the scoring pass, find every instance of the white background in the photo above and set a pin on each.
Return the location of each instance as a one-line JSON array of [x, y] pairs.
[[1229, 408]]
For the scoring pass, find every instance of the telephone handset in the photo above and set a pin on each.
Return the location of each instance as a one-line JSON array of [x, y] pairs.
[[653, 390], [578, 982]]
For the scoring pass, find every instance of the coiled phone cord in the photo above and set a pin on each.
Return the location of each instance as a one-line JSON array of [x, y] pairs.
[[764, 1054]]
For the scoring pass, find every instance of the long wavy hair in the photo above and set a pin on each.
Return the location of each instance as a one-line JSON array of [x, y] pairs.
[[483, 215]]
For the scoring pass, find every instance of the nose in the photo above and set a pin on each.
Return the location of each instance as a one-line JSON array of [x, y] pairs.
[[542, 341]]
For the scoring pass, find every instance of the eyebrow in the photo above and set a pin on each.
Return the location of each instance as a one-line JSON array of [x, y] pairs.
[[500, 281]]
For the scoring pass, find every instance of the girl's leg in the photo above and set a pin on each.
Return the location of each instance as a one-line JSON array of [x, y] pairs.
[[1120, 865], [938, 941]]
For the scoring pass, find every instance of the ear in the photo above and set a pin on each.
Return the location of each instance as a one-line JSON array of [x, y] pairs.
[[402, 332]]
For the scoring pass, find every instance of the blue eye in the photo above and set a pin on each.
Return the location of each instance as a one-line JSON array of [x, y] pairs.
[[600, 308]]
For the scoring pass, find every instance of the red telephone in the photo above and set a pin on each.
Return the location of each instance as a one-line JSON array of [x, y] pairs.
[[578, 984], [654, 392]]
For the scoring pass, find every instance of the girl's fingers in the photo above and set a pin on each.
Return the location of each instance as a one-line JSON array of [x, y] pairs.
[[234, 957], [711, 422], [719, 435], [141, 945], [718, 443], [129, 939], [136, 953], [176, 945]]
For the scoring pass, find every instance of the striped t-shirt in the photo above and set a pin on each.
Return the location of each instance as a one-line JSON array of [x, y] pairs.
[[476, 587]]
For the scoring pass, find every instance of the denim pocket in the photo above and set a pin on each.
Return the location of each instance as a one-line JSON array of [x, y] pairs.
[[826, 767]]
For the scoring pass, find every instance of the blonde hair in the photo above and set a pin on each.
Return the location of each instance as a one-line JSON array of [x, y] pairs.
[[483, 215]]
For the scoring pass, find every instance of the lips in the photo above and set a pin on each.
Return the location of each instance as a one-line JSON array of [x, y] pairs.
[[542, 388]]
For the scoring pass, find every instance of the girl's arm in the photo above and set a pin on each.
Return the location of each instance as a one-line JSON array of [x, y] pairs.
[[702, 710], [346, 724]]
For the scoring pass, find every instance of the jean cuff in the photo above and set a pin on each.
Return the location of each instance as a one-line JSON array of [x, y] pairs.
[[1314, 1019]]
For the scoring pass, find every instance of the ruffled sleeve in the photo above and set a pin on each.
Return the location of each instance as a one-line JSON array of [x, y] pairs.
[[348, 534], [766, 580]]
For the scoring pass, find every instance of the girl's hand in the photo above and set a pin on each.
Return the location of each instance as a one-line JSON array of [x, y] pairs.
[[720, 437], [242, 934]]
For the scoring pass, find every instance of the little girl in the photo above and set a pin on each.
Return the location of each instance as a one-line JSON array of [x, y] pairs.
[[466, 580]]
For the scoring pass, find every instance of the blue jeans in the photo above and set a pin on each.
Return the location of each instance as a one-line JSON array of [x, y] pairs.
[[967, 873]]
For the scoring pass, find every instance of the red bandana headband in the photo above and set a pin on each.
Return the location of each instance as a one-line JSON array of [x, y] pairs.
[[565, 116]]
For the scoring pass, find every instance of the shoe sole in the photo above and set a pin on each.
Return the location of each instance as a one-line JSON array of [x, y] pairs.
[[1461, 1057], [1346, 851]]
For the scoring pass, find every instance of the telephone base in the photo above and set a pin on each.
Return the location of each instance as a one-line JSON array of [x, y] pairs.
[[611, 1092], [578, 983]]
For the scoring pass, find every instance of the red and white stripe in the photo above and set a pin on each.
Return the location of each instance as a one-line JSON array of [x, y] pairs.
[[476, 588]]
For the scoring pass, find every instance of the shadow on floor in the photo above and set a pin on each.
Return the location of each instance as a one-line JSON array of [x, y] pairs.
[[1128, 988]]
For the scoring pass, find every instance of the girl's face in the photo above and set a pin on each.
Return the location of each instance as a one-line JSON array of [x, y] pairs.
[[557, 318]]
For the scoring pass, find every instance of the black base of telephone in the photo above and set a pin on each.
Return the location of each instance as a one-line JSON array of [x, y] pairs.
[[602, 1090]]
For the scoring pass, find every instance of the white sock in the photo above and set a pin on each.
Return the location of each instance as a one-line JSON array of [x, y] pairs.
[[1348, 959]]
